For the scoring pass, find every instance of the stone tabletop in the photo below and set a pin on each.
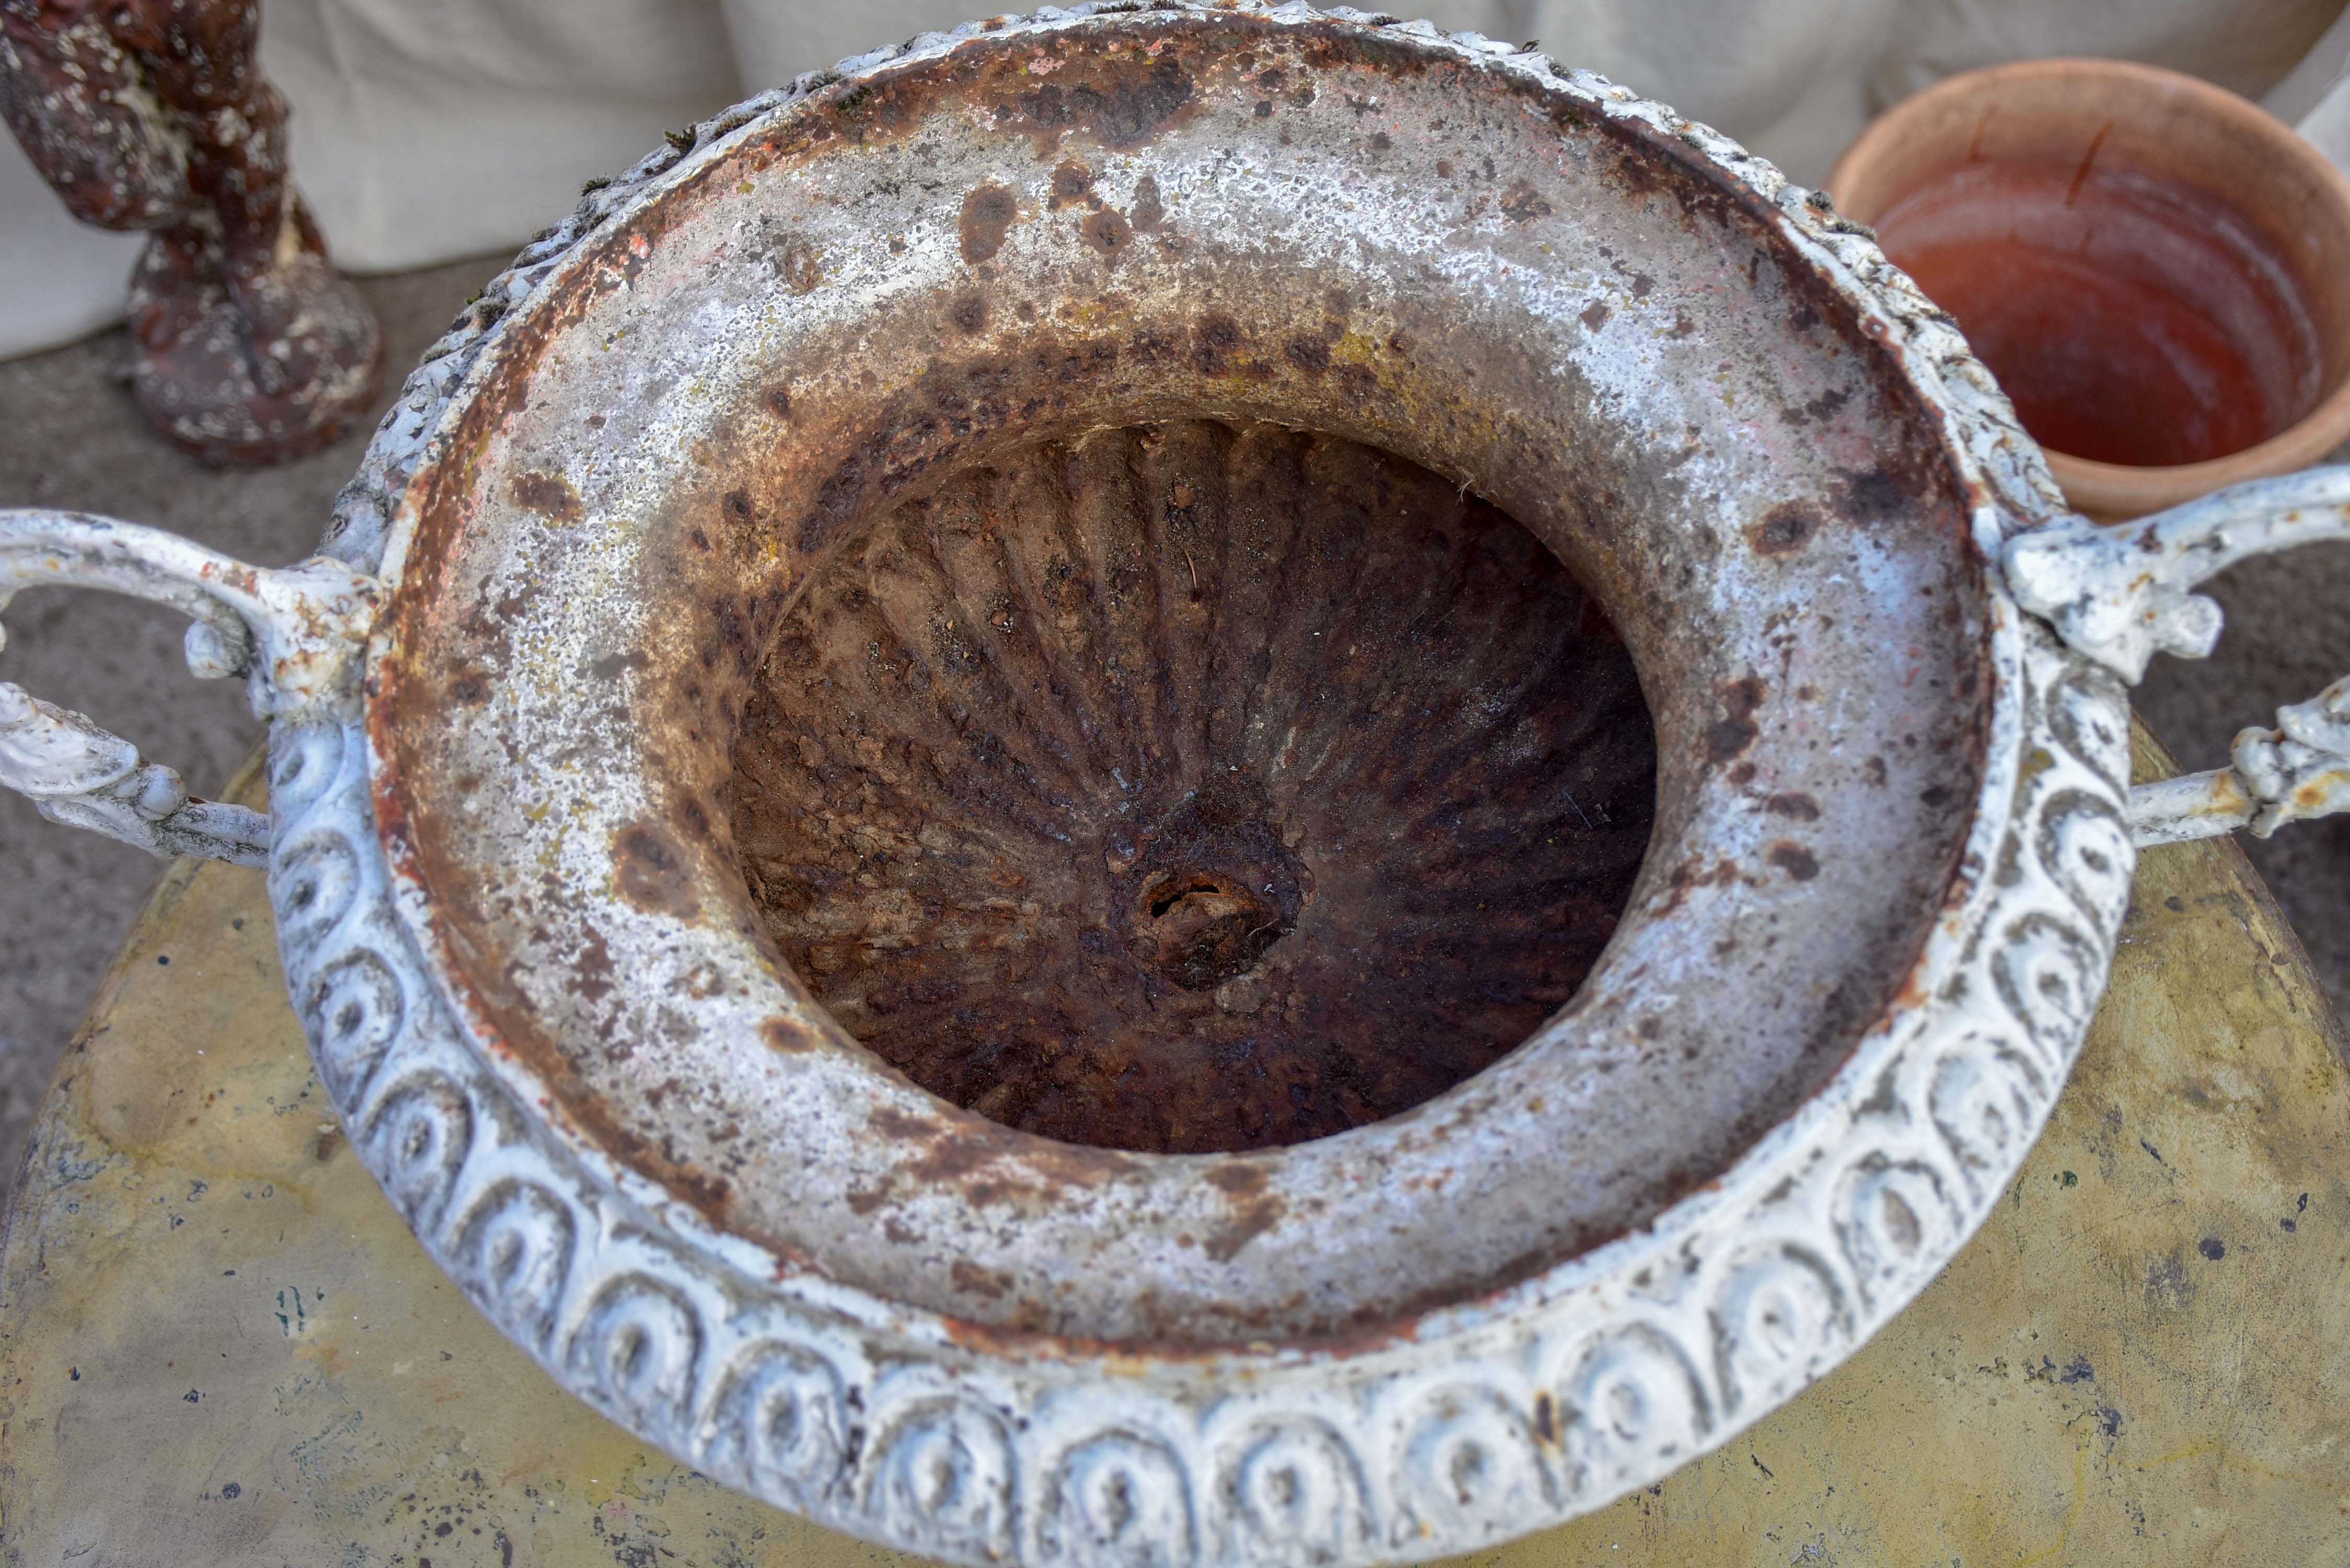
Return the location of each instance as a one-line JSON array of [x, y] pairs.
[[219, 1346]]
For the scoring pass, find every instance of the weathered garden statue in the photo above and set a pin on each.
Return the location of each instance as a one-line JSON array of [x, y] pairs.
[[153, 114]]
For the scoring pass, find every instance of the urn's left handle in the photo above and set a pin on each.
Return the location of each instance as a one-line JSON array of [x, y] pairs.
[[297, 634]]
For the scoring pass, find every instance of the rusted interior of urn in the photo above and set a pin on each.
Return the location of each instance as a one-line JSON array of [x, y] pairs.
[[1194, 786]]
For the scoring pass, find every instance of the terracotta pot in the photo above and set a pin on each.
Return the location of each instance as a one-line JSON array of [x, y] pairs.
[[1193, 785], [2112, 121]]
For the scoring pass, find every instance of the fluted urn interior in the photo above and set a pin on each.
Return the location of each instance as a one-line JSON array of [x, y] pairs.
[[1194, 786]]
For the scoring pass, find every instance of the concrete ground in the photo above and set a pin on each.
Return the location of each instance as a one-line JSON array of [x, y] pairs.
[[69, 438]]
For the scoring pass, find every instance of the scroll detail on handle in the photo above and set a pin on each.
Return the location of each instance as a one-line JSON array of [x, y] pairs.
[[295, 634], [2120, 595]]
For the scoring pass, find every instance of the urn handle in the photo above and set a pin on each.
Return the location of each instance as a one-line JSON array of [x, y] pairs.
[[2121, 593], [295, 633]]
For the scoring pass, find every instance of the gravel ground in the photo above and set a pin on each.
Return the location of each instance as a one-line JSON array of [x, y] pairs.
[[72, 439]]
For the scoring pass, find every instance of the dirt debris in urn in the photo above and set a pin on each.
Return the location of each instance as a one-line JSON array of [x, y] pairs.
[[1194, 788]]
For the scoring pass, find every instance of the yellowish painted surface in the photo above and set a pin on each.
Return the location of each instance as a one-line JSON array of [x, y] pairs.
[[219, 1346]]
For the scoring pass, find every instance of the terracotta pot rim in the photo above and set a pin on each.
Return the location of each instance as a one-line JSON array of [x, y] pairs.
[[2123, 490]]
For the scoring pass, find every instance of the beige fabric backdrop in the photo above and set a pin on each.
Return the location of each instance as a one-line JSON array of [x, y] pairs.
[[428, 130]]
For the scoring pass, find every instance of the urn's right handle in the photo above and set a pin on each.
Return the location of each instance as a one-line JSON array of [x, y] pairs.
[[295, 634], [2120, 593]]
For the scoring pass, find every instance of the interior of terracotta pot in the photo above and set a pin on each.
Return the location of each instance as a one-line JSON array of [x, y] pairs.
[[1259, 588]]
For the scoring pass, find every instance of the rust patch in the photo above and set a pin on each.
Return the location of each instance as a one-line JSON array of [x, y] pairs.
[[796, 263], [1311, 354], [1338, 47], [1254, 1220], [954, 403], [988, 1283], [991, 1164], [740, 512], [1793, 860], [1239, 1179], [1148, 209], [1794, 804], [1820, 409], [1108, 233], [595, 967], [709, 1194], [469, 684], [1072, 182], [1688, 878], [1879, 494], [548, 495], [890, 1122], [653, 872], [952, 1156], [1120, 99], [1216, 342], [987, 216], [782, 1034], [1521, 204], [1735, 730], [1785, 528]]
